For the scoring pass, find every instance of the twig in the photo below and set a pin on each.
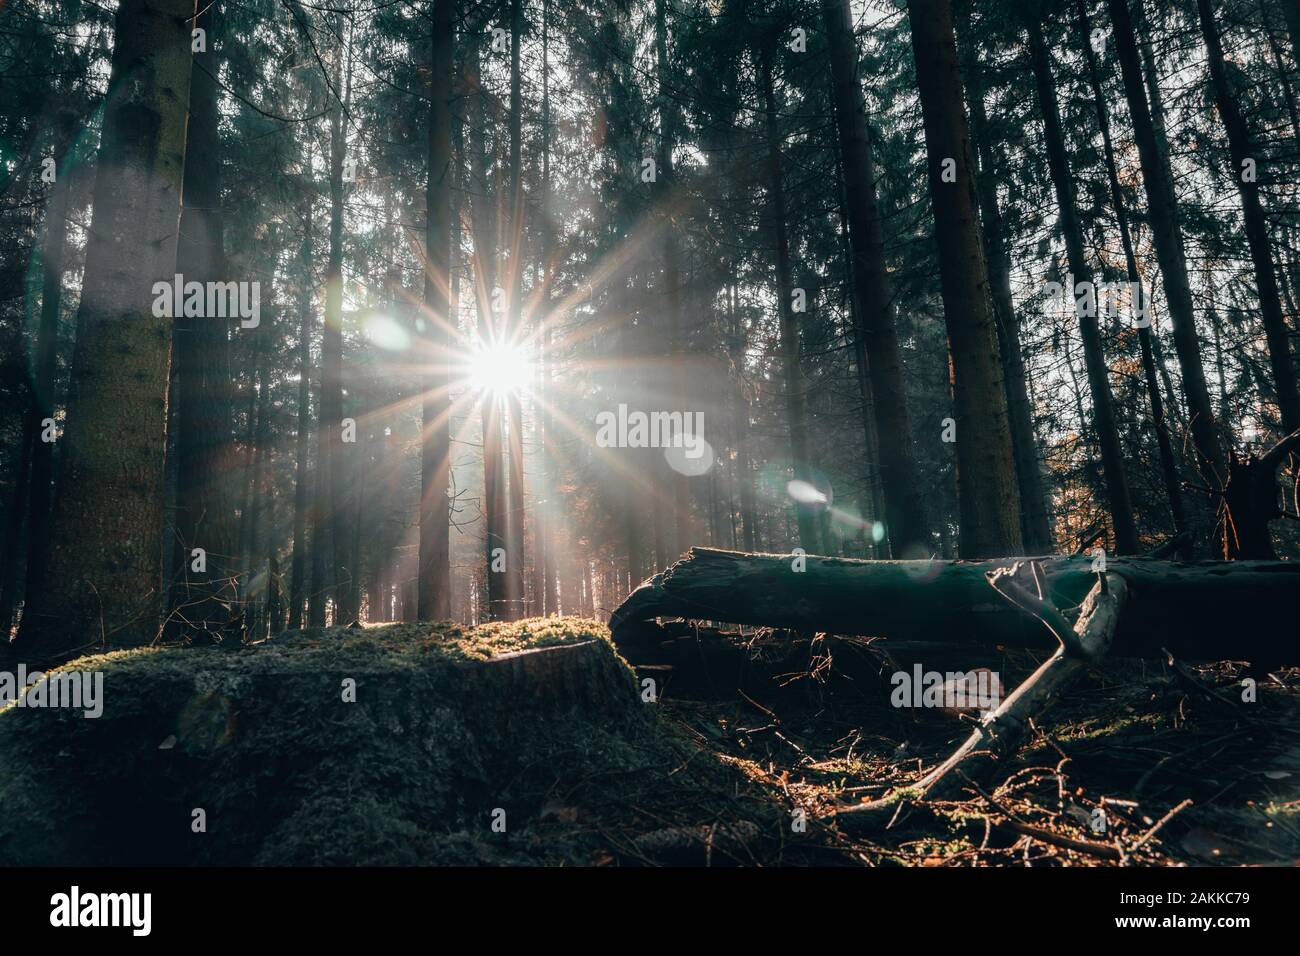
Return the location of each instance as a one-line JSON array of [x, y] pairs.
[[1161, 822], [1043, 835]]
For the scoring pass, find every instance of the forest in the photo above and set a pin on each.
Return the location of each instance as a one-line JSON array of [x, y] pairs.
[[650, 432]]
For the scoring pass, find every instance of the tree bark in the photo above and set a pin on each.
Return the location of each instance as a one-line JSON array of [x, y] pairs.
[[906, 525], [680, 386], [790, 347], [550, 597], [1291, 11], [1035, 521], [1159, 420], [514, 414], [1241, 150], [201, 350], [332, 411], [255, 491], [321, 577], [435, 446], [1162, 212], [38, 484], [988, 498], [13, 534], [1103, 408], [497, 598], [298, 588], [1196, 609], [104, 578]]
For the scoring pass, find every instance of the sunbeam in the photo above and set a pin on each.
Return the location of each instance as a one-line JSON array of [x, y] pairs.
[[500, 369]]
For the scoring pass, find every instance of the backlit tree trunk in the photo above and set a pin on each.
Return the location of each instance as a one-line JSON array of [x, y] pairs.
[[201, 353], [338, 454], [513, 405], [790, 348], [104, 578], [1159, 419], [905, 520], [298, 569], [1034, 518], [1162, 212], [435, 447], [495, 544], [1245, 157], [41, 486], [988, 498], [1103, 412]]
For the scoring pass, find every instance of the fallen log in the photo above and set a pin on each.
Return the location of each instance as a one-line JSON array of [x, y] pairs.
[[997, 738], [1208, 610], [708, 659]]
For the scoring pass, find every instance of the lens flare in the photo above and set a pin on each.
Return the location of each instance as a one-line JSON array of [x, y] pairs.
[[500, 369]]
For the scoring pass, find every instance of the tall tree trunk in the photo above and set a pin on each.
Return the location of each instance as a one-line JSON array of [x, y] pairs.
[[905, 520], [797, 419], [550, 603], [740, 413], [1159, 421], [1034, 519], [988, 497], [872, 503], [1103, 408], [321, 563], [495, 543], [1162, 212], [13, 532], [513, 335], [1291, 12], [298, 589], [679, 385], [320, 577], [1221, 373], [39, 486], [259, 440], [362, 472], [274, 595], [331, 410], [1279, 68], [104, 579], [629, 492], [259, 500], [201, 353], [435, 445], [1243, 153]]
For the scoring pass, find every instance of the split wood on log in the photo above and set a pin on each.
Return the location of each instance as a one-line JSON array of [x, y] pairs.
[[1209, 610]]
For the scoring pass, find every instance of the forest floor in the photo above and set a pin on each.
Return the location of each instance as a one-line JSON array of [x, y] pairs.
[[407, 744], [1134, 767]]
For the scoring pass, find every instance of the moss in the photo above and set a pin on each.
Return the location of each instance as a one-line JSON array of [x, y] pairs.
[[444, 730]]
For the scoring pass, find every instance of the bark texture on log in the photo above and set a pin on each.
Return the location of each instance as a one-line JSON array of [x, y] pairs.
[[1206, 609]]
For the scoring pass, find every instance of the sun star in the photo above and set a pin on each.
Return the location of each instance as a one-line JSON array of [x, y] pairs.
[[500, 369]]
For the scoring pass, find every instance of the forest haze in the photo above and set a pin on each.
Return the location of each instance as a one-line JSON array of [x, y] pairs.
[[479, 310]]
